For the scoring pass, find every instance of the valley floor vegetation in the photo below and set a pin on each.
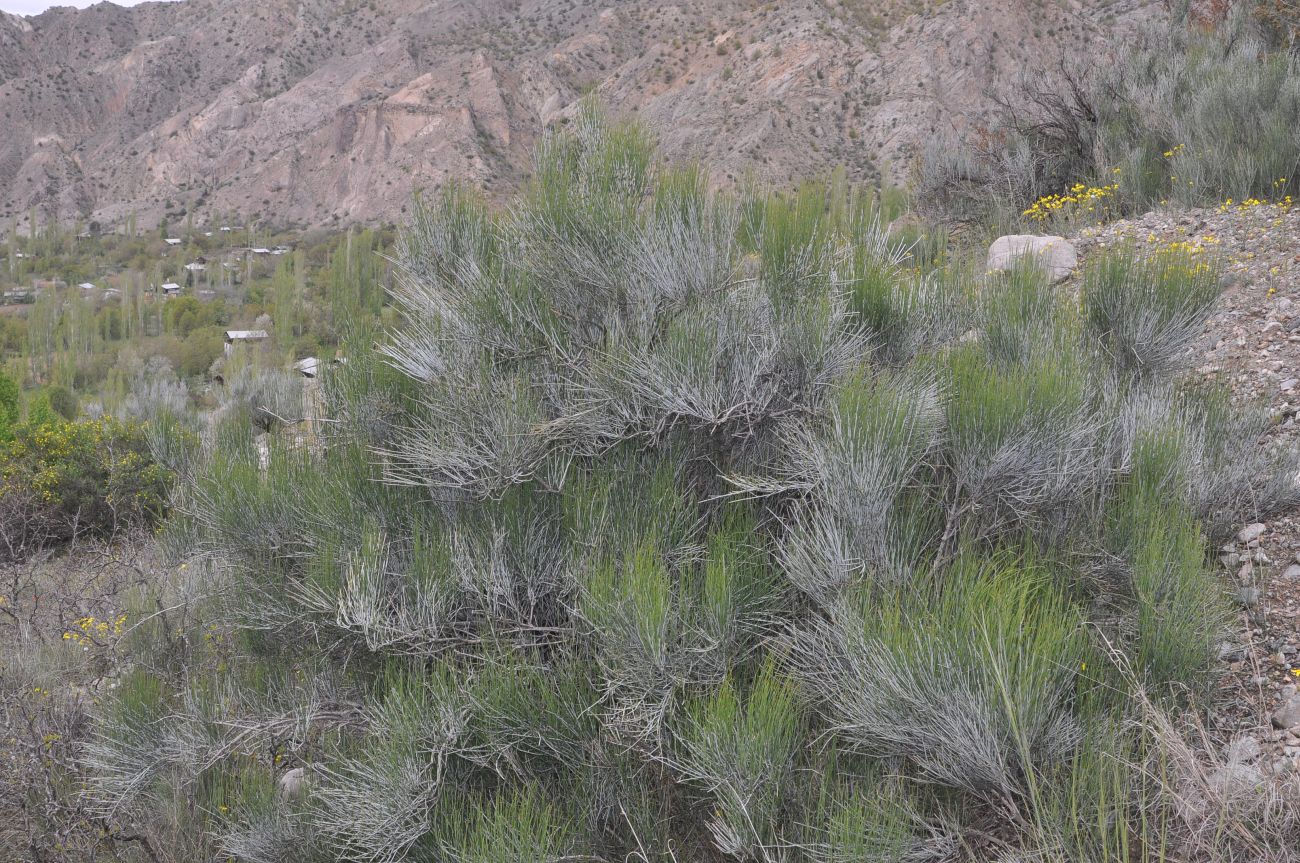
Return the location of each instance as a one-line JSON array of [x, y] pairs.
[[688, 526]]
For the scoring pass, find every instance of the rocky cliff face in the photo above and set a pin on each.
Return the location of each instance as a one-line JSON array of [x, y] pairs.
[[334, 111]]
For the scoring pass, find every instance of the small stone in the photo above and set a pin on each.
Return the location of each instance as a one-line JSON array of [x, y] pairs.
[[1292, 572], [1251, 532], [1229, 280], [1248, 596], [1260, 557], [1229, 560], [1230, 651], [1288, 714]]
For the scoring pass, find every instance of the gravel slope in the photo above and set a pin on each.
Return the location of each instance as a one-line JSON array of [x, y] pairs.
[[1252, 341]]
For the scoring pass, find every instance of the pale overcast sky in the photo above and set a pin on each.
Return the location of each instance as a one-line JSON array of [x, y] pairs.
[[33, 7]]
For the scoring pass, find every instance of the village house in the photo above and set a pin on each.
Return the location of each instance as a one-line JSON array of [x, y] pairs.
[[307, 367], [171, 289], [243, 337], [173, 241], [311, 367]]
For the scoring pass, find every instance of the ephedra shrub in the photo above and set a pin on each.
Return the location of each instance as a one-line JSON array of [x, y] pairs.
[[677, 525]]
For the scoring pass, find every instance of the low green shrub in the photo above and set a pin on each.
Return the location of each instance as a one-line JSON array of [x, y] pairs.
[[971, 681], [741, 752], [1145, 312]]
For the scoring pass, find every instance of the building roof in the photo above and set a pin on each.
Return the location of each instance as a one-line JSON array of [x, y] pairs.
[[173, 241], [196, 268], [308, 366], [171, 286], [87, 286], [246, 335]]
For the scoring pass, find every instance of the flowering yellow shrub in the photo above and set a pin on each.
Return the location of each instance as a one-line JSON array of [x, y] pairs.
[[91, 476], [1080, 199], [89, 631], [1183, 260], [1281, 205]]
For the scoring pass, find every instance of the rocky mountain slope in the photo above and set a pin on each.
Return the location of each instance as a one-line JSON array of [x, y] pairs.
[[325, 111]]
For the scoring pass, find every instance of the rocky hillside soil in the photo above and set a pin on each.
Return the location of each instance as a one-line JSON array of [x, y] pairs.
[[1252, 342], [333, 111]]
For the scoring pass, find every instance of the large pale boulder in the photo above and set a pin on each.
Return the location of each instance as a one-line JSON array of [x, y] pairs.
[[1056, 255]]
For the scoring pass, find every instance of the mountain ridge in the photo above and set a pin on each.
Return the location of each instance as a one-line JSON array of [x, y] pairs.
[[320, 112]]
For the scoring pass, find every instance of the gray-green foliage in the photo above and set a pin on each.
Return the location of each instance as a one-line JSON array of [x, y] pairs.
[[1146, 313], [973, 686], [271, 396], [742, 753], [679, 525], [1183, 113], [1222, 104]]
